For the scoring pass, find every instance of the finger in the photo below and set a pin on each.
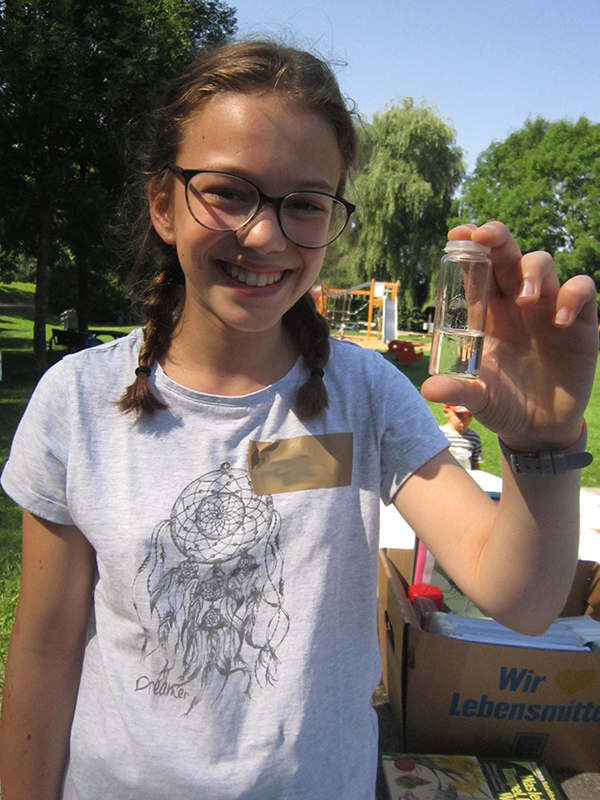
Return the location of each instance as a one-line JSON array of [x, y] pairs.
[[461, 232], [469, 392], [505, 250], [505, 254], [576, 298], [494, 235], [538, 279]]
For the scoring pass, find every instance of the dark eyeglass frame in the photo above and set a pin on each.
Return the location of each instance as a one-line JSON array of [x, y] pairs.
[[263, 199]]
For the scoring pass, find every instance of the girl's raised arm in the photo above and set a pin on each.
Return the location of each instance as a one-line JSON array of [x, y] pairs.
[[44, 658], [516, 560], [536, 377]]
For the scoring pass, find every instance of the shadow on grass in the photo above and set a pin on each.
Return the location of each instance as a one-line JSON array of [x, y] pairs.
[[18, 372]]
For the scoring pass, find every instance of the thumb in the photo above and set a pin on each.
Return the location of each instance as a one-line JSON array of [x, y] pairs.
[[468, 392]]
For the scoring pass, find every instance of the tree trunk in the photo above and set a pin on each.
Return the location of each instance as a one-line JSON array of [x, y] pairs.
[[81, 249], [41, 294], [82, 294]]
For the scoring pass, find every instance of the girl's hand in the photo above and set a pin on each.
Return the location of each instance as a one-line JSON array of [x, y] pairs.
[[540, 351]]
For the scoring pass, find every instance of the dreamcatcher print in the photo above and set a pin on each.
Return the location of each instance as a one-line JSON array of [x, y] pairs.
[[209, 593]]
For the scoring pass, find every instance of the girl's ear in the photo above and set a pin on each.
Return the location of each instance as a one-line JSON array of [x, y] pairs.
[[161, 213]]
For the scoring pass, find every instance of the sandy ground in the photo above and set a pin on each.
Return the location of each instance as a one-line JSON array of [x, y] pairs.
[[375, 342]]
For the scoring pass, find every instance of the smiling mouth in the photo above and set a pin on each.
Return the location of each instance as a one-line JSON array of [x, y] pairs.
[[251, 278]]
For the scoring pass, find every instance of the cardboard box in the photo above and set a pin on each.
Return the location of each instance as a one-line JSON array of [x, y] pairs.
[[456, 697]]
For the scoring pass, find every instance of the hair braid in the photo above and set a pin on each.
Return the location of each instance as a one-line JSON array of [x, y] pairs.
[[164, 299], [310, 333]]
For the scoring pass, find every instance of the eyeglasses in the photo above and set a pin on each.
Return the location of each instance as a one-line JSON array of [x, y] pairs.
[[223, 202]]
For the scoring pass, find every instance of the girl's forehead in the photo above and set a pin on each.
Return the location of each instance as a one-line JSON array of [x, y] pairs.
[[258, 132]]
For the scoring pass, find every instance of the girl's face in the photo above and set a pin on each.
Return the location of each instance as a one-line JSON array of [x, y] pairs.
[[278, 147]]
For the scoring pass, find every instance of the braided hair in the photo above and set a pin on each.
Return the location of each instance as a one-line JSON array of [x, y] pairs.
[[242, 67]]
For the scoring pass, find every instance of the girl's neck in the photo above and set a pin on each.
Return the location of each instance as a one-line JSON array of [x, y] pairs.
[[217, 360]]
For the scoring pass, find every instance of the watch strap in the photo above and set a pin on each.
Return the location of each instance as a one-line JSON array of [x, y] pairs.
[[549, 462]]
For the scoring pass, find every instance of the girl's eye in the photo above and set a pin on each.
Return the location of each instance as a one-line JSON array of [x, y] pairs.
[[308, 204], [227, 194], [223, 194], [222, 191]]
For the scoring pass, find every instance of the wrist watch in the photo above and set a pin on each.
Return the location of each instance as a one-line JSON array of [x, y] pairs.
[[549, 462]]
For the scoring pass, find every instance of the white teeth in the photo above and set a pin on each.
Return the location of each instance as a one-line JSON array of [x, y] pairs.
[[251, 278]]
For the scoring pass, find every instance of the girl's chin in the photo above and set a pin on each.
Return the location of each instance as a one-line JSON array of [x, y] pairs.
[[252, 326]]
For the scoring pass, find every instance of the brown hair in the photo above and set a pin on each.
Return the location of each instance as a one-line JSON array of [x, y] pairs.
[[243, 67]]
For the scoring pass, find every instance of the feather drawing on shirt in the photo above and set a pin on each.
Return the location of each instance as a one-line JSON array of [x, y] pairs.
[[209, 593]]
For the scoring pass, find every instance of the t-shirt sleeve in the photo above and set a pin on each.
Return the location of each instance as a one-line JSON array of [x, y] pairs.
[[35, 475], [410, 434]]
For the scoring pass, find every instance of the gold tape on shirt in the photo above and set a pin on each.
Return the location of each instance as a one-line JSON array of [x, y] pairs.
[[301, 463]]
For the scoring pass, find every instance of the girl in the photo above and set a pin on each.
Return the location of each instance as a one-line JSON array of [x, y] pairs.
[[198, 602]]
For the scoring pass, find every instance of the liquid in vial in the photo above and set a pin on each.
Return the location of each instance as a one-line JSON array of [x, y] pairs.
[[456, 352]]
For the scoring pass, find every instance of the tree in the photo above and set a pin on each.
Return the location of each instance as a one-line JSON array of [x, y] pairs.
[[410, 169], [73, 74], [543, 181]]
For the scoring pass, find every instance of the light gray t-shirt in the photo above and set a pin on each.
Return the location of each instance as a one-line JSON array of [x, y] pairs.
[[233, 648]]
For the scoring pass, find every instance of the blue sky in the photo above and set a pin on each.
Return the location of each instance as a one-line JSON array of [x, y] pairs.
[[486, 66]]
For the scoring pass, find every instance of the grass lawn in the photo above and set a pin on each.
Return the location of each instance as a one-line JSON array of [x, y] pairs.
[[491, 452], [18, 381], [418, 373], [16, 386], [16, 333]]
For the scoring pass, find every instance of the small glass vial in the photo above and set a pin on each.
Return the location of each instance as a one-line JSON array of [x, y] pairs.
[[461, 309]]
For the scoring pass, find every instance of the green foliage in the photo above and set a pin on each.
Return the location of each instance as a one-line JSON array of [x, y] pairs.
[[16, 267], [543, 181], [410, 317], [105, 288], [75, 76], [403, 192]]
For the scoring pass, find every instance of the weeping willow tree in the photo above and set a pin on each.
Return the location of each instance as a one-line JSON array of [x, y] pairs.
[[410, 169]]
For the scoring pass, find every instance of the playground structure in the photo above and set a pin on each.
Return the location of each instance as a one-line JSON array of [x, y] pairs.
[[379, 299], [404, 352]]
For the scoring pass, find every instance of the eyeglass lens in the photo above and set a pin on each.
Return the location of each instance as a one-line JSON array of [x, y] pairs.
[[226, 203]]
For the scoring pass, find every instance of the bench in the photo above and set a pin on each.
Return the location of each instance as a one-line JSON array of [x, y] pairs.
[[75, 340]]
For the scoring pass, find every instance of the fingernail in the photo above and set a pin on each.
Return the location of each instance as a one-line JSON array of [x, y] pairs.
[[562, 316], [527, 289]]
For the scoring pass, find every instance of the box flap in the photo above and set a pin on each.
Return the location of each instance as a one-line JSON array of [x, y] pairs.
[[584, 598], [403, 560], [593, 591], [398, 585]]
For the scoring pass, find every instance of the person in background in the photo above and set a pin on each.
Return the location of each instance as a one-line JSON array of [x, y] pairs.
[[465, 443]]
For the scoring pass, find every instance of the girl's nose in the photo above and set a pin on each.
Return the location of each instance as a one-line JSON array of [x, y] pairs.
[[263, 232]]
